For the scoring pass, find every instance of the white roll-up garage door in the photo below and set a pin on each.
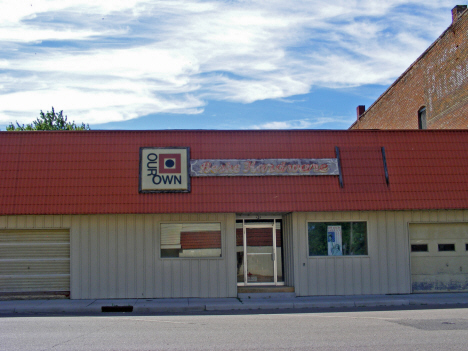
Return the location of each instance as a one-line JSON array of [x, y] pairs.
[[439, 257], [34, 261]]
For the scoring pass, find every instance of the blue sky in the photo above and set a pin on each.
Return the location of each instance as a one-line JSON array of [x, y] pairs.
[[192, 64]]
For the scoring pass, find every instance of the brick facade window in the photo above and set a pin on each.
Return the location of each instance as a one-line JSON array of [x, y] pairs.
[[422, 118]]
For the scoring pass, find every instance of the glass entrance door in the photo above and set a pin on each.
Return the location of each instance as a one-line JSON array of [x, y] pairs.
[[259, 254]]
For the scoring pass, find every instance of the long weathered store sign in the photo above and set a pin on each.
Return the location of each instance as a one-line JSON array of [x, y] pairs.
[[264, 167], [169, 169]]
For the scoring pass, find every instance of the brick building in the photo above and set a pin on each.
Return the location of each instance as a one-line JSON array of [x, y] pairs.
[[433, 92]]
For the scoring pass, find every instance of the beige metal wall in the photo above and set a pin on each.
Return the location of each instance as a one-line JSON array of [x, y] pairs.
[[288, 249], [118, 256], [386, 269]]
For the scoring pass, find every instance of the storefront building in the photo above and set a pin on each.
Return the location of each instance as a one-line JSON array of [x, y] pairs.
[[167, 214]]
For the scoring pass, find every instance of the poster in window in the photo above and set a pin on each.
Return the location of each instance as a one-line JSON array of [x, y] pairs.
[[334, 240]]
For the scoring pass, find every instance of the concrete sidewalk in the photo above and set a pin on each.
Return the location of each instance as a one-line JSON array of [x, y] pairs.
[[228, 304]]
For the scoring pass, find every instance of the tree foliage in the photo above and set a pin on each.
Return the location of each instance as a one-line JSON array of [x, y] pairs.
[[49, 121]]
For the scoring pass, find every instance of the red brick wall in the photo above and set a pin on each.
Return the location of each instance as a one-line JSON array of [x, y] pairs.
[[437, 80]]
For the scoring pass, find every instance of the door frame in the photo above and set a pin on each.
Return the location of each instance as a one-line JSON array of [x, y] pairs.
[[246, 226]]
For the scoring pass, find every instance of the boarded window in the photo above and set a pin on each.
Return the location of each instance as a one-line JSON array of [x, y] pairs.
[[190, 240], [337, 238]]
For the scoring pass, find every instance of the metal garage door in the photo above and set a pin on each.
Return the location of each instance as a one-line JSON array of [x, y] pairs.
[[439, 257], [34, 261]]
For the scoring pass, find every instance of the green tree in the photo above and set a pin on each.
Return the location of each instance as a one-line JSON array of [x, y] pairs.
[[49, 121]]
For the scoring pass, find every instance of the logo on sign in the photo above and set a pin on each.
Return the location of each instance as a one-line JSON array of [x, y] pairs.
[[170, 163], [164, 170]]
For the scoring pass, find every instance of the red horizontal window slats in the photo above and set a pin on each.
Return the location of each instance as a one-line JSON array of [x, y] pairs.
[[258, 237], [200, 240]]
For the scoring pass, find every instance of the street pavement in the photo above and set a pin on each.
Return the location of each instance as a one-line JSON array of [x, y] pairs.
[[183, 305]]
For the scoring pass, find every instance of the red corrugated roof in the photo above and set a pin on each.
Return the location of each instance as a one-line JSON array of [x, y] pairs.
[[97, 172]]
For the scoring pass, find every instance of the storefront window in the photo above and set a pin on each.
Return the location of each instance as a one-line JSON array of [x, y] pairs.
[[190, 240], [337, 238]]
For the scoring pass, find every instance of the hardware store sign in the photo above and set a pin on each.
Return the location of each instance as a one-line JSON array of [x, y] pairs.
[[169, 169], [265, 167]]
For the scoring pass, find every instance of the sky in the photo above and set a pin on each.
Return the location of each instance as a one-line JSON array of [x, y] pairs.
[[200, 64]]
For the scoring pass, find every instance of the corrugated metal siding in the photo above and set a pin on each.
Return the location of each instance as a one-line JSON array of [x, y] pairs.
[[34, 260], [96, 172], [386, 270], [288, 250], [118, 256]]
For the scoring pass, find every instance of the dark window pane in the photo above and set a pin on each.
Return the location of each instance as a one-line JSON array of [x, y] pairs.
[[419, 248], [326, 235], [169, 253], [318, 239], [358, 241], [422, 118], [466, 247], [446, 247]]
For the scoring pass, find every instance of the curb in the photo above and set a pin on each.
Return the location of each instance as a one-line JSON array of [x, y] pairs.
[[373, 303], [264, 306], [174, 309], [94, 307], [7, 310], [440, 302], [223, 307], [324, 304]]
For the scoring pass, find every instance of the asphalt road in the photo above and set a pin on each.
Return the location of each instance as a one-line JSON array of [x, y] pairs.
[[422, 329]]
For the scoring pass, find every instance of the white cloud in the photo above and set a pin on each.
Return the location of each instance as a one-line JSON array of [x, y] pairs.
[[117, 60], [307, 123], [284, 125]]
